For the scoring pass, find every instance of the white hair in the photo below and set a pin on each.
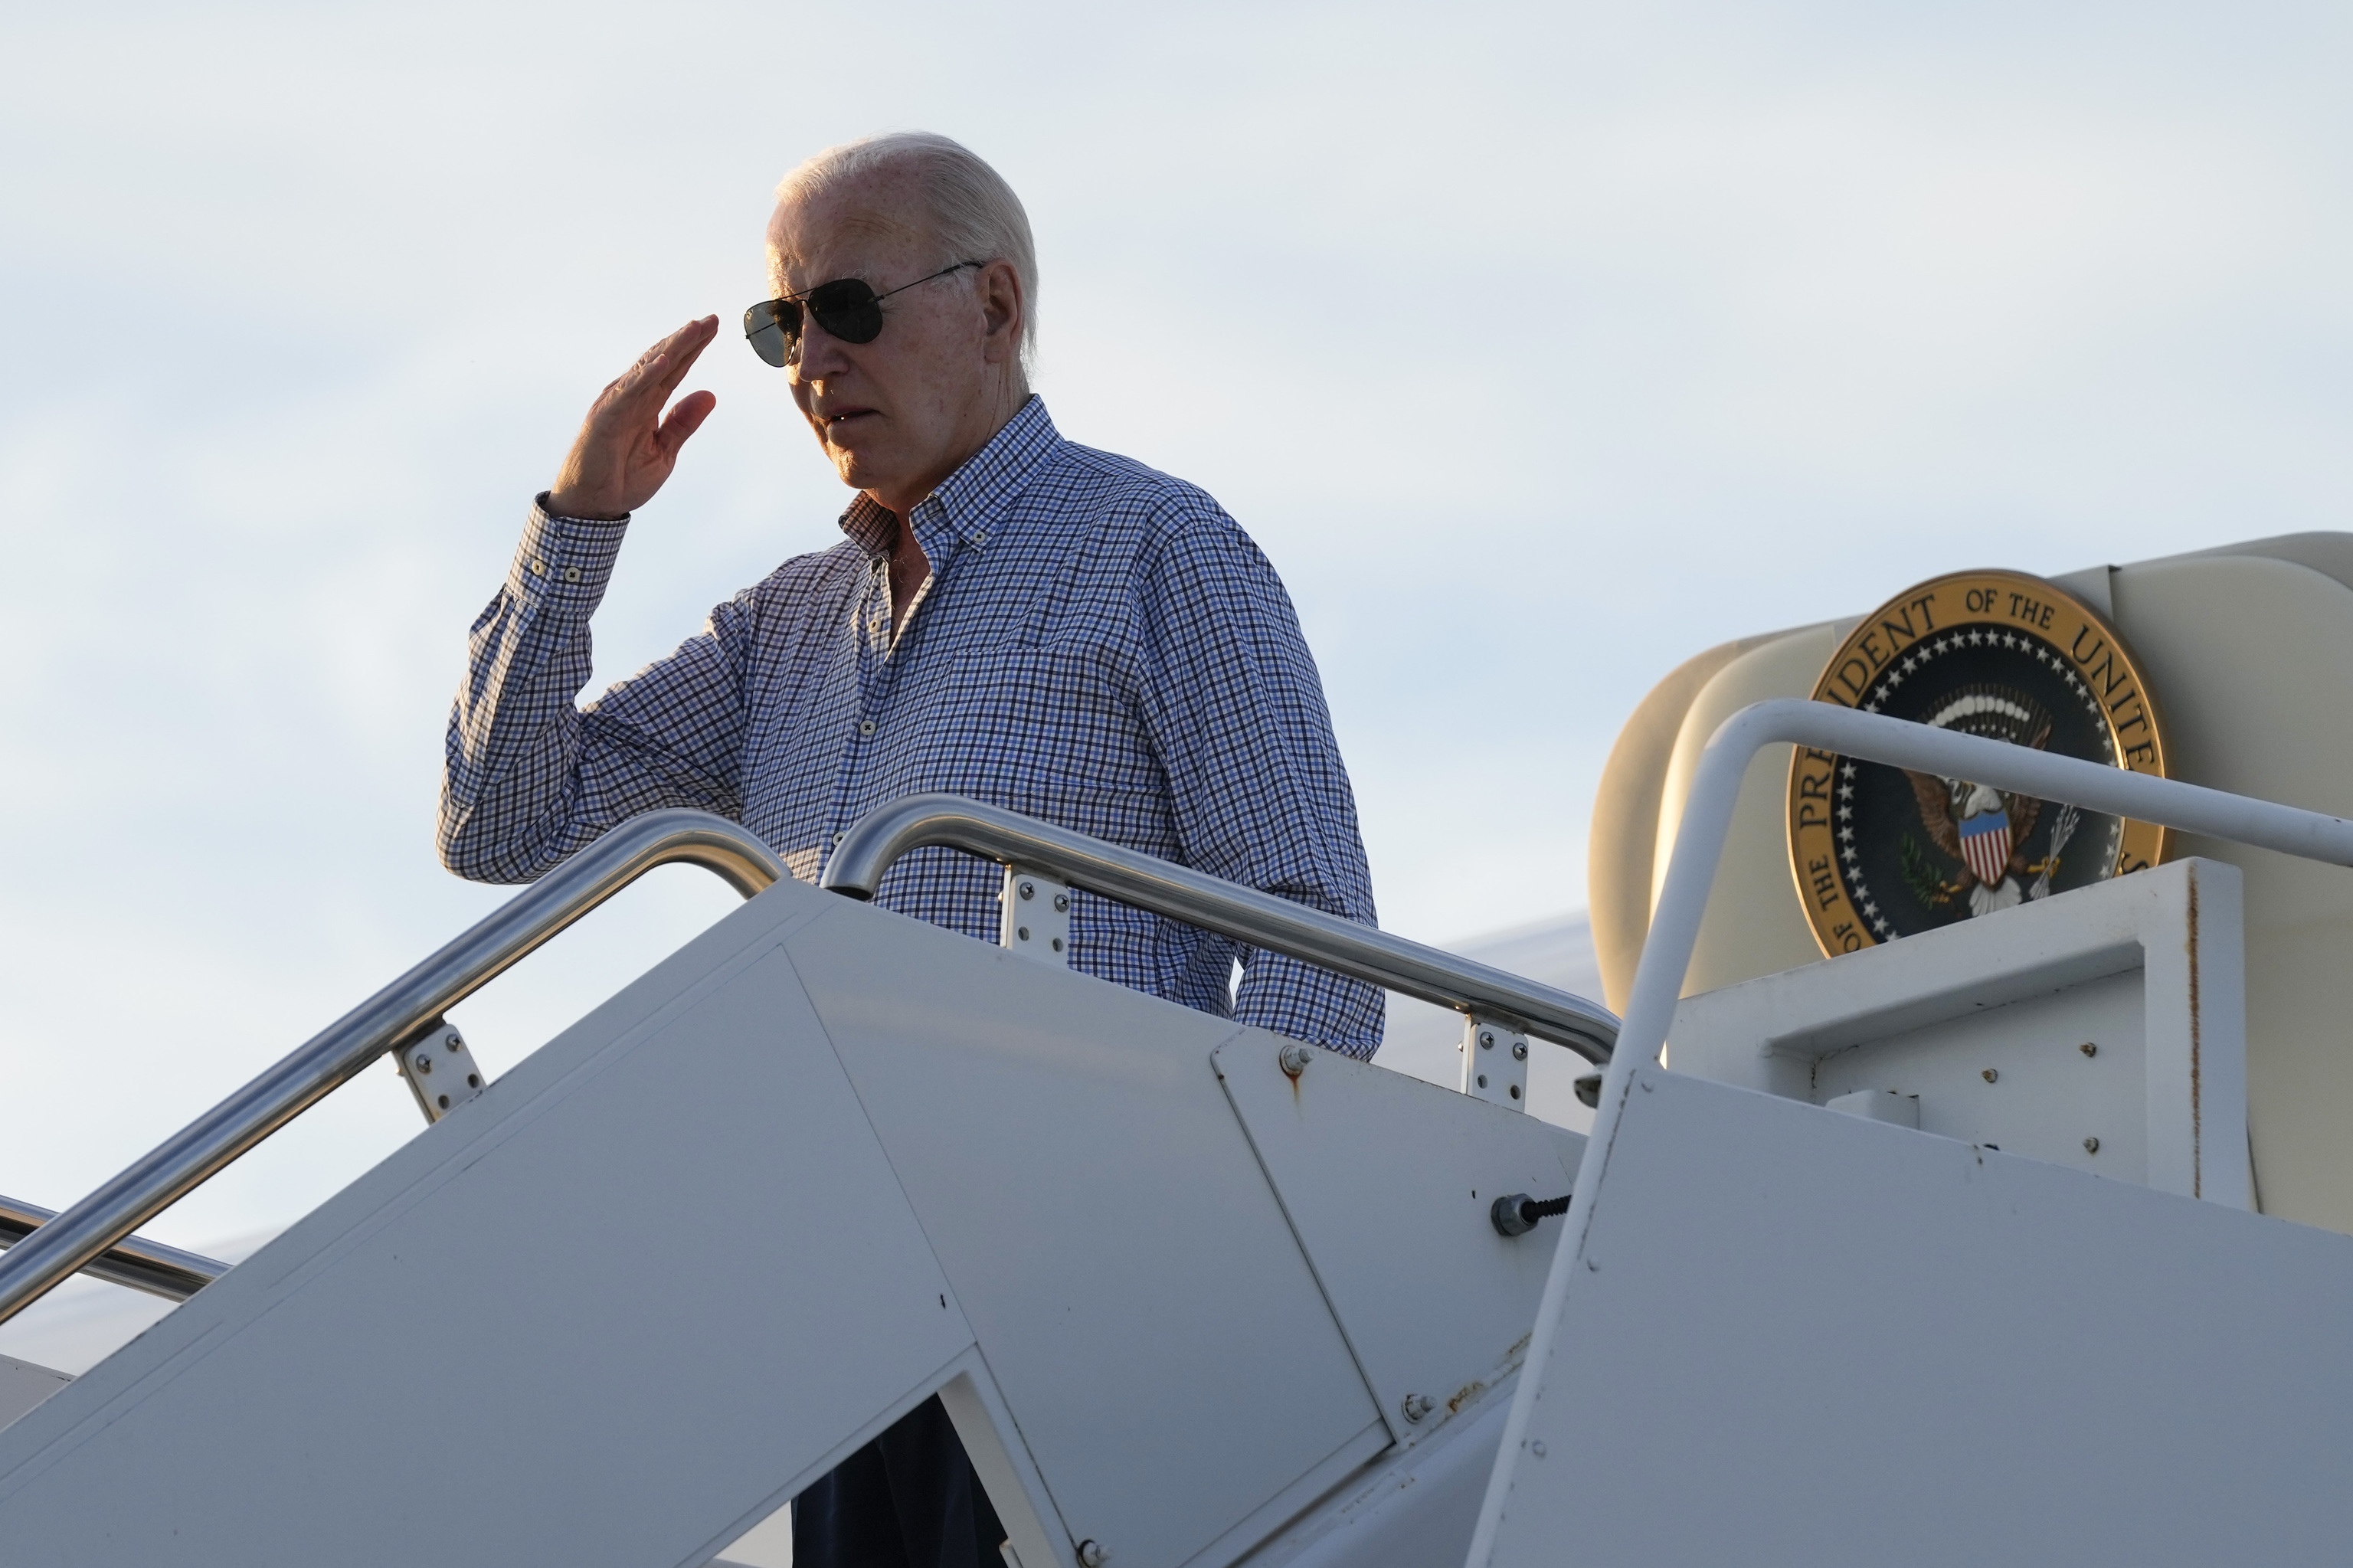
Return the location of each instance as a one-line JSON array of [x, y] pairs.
[[974, 214]]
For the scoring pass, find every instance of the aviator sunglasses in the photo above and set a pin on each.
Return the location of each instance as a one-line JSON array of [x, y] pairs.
[[848, 308]]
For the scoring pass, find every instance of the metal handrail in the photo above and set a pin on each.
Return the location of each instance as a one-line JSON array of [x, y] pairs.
[[1874, 737], [1245, 913], [1871, 737], [134, 1261], [408, 1007]]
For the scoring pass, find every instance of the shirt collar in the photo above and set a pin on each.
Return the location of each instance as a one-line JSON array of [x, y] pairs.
[[971, 502]]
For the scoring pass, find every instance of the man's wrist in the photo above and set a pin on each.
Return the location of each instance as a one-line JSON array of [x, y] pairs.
[[563, 562], [572, 504]]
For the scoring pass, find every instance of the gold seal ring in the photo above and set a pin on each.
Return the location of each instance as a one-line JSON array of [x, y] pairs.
[[1880, 852]]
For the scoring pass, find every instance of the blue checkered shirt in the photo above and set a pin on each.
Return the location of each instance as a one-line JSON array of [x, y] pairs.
[[1100, 646]]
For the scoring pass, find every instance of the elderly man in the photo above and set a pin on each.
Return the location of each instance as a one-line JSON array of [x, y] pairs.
[[1011, 617]]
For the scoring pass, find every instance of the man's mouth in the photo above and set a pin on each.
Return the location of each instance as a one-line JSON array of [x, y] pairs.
[[836, 419]]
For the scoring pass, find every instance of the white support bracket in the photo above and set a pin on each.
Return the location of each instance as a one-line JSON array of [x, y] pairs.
[[440, 1071], [1495, 1063], [1036, 922]]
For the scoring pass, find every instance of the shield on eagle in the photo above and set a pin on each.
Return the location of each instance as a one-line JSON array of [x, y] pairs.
[[1976, 824], [1985, 845]]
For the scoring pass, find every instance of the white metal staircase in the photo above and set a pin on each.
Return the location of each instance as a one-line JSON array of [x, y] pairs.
[[820, 1164], [1194, 1296]]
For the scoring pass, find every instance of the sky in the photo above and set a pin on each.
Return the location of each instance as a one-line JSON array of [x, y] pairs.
[[1540, 347]]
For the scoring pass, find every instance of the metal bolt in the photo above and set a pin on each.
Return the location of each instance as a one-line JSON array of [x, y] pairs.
[[1295, 1057], [1991, 1074], [1062, 904], [1416, 1405], [1537, 1448], [445, 1102], [1504, 1215], [1093, 1553], [2091, 1146], [423, 1062], [1520, 1051], [1028, 890], [1486, 1040], [2089, 1049], [1022, 933], [454, 1044]]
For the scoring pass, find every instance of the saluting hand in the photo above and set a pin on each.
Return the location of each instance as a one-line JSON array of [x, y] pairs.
[[625, 447]]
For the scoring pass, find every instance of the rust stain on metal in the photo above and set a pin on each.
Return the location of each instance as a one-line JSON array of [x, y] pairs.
[[1463, 1397]]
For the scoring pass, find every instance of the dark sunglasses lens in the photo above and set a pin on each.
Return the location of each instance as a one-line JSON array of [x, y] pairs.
[[773, 326], [847, 309]]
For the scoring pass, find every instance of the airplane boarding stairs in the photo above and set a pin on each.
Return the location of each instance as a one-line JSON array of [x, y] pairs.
[[1176, 1281], [1193, 1295]]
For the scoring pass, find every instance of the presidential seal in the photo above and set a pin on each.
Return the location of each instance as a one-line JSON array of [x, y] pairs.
[[1880, 852]]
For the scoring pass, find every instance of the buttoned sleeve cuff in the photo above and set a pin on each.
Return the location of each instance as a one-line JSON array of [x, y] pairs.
[[564, 563]]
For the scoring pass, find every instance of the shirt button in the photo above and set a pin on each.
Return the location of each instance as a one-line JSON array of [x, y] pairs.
[[572, 574], [839, 837], [539, 568], [866, 727]]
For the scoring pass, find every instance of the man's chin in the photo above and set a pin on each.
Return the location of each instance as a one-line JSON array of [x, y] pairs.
[[860, 469]]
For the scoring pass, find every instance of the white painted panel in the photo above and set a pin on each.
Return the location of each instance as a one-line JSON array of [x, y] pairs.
[[2045, 1096], [24, 1386], [1416, 1508], [768, 1544], [1986, 1022], [608, 1314], [1808, 1338], [1388, 1183], [1150, 1321]]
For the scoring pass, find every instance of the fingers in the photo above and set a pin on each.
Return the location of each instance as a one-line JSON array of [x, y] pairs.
[[658, 370], [626, 446], [647, 384], [683, 421], [676, 355]]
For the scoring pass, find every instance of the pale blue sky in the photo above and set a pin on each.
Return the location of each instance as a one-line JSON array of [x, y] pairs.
[[1540, 347]]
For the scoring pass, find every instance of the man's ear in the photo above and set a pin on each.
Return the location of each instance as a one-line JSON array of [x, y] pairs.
[[1003, 310]]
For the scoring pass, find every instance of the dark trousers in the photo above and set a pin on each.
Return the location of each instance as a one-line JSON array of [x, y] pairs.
[[908, 1499]]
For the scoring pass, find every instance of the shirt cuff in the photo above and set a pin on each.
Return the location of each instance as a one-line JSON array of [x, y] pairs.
[[564, 563]]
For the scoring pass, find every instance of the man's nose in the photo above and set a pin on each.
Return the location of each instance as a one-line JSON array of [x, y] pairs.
[[822, 354]]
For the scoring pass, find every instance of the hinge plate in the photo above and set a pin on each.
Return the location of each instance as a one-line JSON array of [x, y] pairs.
[[1495, 1063], [440, 1070], [1036, 922]]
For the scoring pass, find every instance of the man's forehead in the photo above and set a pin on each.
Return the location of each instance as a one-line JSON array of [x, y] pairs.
[[845, 230]]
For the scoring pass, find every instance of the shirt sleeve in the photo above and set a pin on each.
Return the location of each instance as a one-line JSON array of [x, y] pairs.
[[1235, 708], [527, 777]]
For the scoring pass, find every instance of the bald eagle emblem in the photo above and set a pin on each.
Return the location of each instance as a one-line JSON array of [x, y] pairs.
[[1982, 828]]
